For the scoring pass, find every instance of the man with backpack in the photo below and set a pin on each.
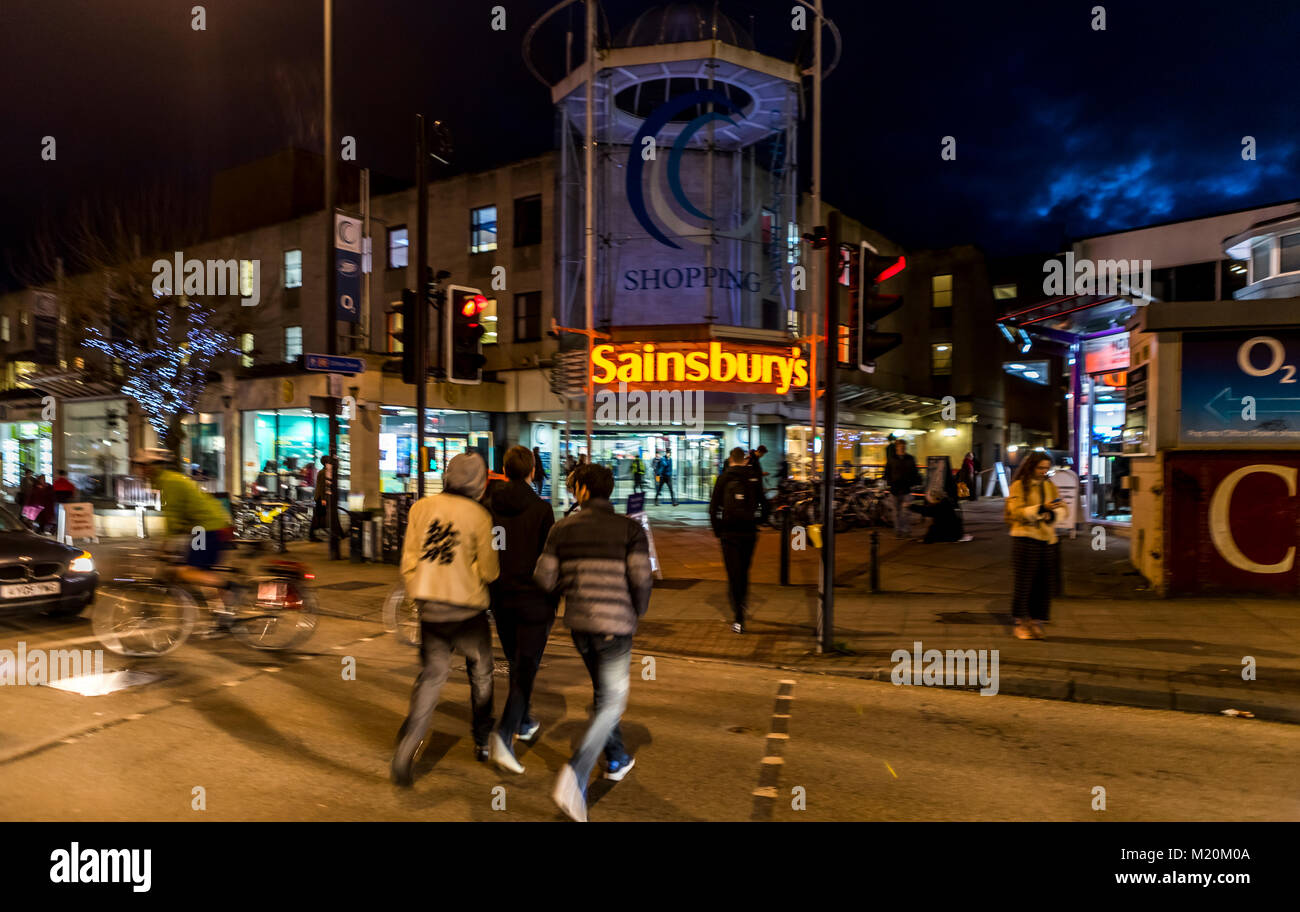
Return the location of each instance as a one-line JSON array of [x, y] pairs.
[[733, 510]]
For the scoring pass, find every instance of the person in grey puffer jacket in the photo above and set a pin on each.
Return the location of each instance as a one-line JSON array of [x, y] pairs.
[[447, 563], [600, 562]]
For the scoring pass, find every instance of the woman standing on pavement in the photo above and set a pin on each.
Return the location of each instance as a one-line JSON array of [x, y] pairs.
[[1033, 508]]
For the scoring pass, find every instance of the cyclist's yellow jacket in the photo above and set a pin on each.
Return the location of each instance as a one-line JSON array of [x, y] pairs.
[[185, 505]]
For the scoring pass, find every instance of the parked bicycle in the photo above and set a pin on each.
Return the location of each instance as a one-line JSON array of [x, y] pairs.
[[269, 606], [259, 520]]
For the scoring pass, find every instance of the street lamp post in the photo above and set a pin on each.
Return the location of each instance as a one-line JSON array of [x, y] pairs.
[[331, 324]]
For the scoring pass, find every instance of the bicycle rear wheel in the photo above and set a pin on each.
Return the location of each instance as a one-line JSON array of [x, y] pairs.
[[140, 618], [278, 614], [402, 616]]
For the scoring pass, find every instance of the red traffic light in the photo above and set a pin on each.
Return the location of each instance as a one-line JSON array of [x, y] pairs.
[[473, 306], [892, 270]]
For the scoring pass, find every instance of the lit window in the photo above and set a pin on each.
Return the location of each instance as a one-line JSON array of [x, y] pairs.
[[292, 342], [941, 359], [79, 363], [792, 242], [1004, 292], [489, 318], [844, 344], [246, 346], [4, 329], [293, 269], [483, 229], [846, 266], [398, 247], [941, 291], [245, 278], [395, 324]]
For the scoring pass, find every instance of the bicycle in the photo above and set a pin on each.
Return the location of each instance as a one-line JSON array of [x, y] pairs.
[[153, 613], [402, 616]]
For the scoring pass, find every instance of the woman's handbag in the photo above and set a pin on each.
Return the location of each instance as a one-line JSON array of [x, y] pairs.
[[30, 513]]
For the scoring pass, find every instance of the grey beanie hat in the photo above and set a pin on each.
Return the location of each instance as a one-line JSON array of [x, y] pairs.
[[466, 474]]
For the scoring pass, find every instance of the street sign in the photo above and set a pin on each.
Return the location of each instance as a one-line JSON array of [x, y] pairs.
[[334, 364], [1240, 387]]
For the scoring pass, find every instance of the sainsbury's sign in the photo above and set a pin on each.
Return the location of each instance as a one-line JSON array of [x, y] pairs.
[[698, 365]]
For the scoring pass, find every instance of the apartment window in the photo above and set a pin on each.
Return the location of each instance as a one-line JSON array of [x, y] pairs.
[[528, 221], [843, 344], [528, 317], [292, 342], [1004, 292], [488, 316], [399, 247], [4, 328], [395, 330], [293, 269], [1259, 260], [941, 291], [483, 229], [79, 363], [246, 346], [245, 278], [941, 359], [1291, 253]]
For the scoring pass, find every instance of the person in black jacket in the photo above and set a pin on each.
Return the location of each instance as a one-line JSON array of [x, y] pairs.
[[901, 475], [733, 510], [600, 562], [523, 612]]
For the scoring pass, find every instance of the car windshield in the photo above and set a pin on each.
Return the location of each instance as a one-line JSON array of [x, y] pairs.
[[8, 522]]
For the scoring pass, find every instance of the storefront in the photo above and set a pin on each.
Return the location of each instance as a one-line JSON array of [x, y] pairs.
[[1104, 458], [697, 458], [447, 434], [26, 448], [279, 445], [96, 448]]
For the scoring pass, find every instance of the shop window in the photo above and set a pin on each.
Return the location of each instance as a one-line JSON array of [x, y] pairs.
[[528, 221], [941, 291], [941, 359], [293, 269], [246, 346], [398, 247], [528, 317], [483, 229], [292, 343]]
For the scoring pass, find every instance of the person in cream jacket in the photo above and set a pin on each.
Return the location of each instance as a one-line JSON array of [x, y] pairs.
[[1032, 510]]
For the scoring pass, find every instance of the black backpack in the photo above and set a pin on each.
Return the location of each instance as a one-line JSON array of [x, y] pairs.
[[738, 501]]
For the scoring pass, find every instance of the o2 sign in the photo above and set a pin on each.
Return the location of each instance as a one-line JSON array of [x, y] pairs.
[[1240, 388], [1277, 356]]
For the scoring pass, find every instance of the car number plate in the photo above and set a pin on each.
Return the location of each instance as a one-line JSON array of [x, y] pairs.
[[270, 592], [29, 590]]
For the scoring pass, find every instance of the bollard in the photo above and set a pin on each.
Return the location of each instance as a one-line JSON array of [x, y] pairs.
[[786, 528]]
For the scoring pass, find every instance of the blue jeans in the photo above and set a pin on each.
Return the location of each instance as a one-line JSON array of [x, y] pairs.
[[607, 659], [901, 513]]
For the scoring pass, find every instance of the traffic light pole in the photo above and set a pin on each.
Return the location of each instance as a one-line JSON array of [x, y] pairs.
[[421, 314], [826, 621], [331, 285]]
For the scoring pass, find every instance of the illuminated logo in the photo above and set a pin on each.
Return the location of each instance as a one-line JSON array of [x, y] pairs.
[[751, 369], [656, 175]]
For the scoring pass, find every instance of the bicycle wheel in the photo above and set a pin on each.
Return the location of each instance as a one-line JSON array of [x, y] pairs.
[[141, 618], [277, 614], [401, 616]]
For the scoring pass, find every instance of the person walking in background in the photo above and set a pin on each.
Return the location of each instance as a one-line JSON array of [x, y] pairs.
[[321, 500], [756, 466], [539, 472], [600, 562], [64, 490], [733, 511], [447, 563], [1032, 510], [638, 472], [967, 478], [901, 476], [522, 611], [664, 476]]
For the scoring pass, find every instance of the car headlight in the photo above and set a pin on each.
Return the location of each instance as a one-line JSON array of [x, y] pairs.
[[82, 564]]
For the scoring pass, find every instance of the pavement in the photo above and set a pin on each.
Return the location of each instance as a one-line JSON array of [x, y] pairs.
[[1110, 639]]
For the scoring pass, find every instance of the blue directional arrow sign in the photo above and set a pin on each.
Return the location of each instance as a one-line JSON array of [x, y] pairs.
[[334, 364]]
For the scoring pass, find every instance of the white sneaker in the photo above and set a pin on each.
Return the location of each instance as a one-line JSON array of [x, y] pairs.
[[502, 756], [568, 795]]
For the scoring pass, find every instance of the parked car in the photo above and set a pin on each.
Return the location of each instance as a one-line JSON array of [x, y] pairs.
[[39, 574]]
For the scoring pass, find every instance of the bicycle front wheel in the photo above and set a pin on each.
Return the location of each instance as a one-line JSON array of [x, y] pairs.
[[402, 616], [139, 618], [279, 614]]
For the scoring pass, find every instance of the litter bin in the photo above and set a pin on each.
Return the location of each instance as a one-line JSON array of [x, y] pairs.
[[359, 523]]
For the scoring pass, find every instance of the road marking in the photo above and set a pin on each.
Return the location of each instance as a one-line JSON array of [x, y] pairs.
[[771, 765]]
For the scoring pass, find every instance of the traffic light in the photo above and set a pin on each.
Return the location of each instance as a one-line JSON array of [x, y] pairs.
[[465, 334], [874, 306], [406, 334]]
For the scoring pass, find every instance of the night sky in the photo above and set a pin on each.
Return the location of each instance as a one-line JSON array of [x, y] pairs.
[[1061, 130]]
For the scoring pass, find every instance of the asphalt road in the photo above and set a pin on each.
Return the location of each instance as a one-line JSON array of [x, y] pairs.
[[269, 737]]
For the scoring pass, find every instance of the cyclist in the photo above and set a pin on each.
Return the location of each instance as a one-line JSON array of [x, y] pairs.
[[186, 508]]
